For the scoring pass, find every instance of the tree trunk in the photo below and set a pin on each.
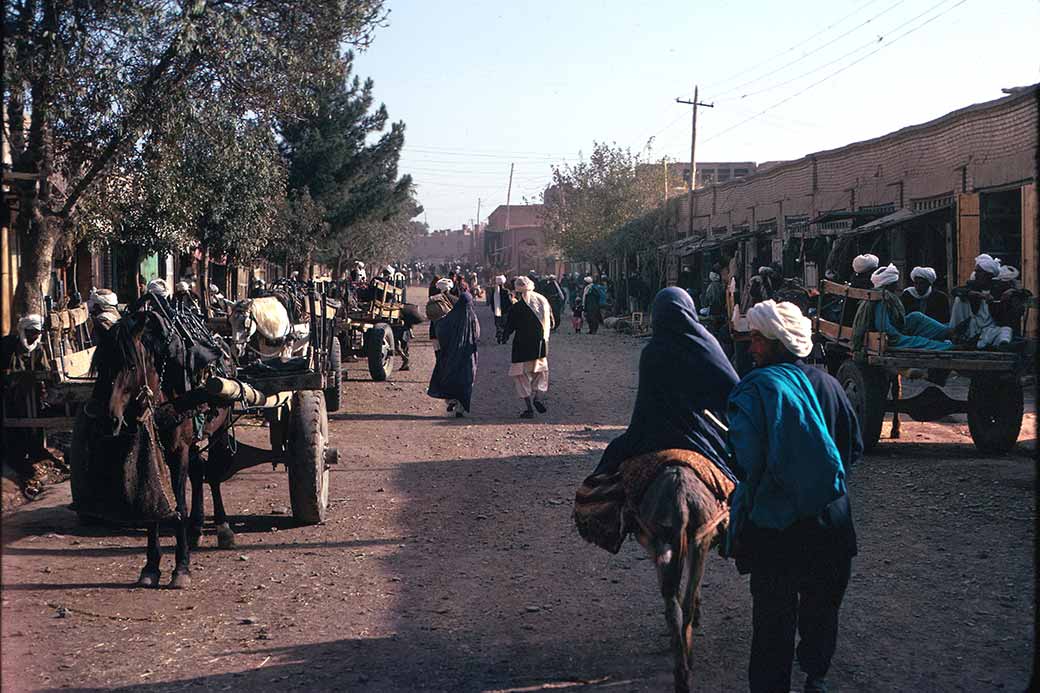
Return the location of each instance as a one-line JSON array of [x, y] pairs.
[[132, 272], [37, 237], [204, 279]]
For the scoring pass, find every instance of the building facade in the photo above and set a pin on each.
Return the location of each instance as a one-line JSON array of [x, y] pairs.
[[937, 193]]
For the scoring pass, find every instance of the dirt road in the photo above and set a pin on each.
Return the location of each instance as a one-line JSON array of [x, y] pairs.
[[449, 562]]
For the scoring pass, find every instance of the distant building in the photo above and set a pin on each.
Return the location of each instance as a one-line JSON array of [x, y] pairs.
[[515, 240], [448, 246], [708, 172]]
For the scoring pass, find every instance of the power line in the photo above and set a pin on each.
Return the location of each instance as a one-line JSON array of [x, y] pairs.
[[843, 68], [868, 44], [812, 52], [782, 53]]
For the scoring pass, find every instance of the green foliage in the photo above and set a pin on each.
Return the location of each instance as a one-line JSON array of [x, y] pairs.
[[591, 200], [342, 157], [93, 89]]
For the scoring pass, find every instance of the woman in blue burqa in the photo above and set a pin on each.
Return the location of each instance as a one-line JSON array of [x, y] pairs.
[[682, 373], [457, 335]]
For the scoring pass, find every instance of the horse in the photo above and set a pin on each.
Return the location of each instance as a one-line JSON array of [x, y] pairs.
[[148, 367], [676, 503]]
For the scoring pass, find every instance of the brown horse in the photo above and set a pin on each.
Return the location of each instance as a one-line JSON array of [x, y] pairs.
[[148, 368], [676, 503]]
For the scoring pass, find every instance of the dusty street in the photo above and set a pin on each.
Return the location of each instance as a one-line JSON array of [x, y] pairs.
[[450, 562]]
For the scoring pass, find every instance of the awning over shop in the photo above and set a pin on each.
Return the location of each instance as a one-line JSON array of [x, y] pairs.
[[843, 215], [900, 216]]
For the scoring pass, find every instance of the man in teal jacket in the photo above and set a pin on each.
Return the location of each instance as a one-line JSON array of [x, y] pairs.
[[790, 524]]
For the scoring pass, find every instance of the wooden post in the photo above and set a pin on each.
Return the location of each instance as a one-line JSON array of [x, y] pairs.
[[967, 234], [1029, 252]]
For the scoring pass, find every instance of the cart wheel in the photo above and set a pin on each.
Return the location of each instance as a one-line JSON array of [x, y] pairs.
[[332, 393], [308, 473], [865, 387], [380, 348], [995, 408]]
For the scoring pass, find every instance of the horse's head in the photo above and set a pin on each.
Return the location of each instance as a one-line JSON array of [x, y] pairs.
[[243, 325], [130, 361]]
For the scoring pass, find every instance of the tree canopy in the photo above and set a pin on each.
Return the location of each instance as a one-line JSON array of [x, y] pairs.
[[342, 165], [93, 89], [591, 200]]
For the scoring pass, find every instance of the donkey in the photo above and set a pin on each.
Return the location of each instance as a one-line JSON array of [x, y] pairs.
[[146, 368], [676, 502]]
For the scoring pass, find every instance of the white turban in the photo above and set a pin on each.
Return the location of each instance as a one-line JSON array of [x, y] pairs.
[[32, 321], [714, 276], [885, 276], [865, 263], [159, 288], [588, 280], [500, 280], [988, 264], [391, 269], [523, 284], [214, 290], [182, 286], [102, 297], [445, 285], [764, 268], [783, 321], [1008, 273], [926, 273]]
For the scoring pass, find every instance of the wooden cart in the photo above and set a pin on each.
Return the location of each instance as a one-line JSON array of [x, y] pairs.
[[995, 398], [292, 398], [370, 329], [53, 396]]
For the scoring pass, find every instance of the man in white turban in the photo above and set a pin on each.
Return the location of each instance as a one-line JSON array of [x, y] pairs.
[[923, 297], [592, 299], [500, 301], [905, 330], [159, 288], [863, 266], [529, 322], [103, 306], [978, 312], [782, 322], [794, 435]]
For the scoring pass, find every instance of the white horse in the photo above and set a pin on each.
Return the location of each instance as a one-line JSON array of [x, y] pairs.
[[263, 326]]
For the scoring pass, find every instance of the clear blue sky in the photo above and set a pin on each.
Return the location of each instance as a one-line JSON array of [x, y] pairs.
[[483, 84]]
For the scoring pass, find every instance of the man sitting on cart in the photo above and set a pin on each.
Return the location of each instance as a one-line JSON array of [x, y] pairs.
[[923, 297], [989, 307], [905, 330]]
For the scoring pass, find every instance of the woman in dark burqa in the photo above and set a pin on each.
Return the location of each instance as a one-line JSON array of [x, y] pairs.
[[682, 373], [457, 335]]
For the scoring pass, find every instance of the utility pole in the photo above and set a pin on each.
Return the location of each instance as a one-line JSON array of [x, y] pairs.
[[477, 239], [665, 161], [693, 149], [516, 245]]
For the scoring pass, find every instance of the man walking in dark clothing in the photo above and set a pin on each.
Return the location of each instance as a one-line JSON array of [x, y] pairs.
[[791, 526]]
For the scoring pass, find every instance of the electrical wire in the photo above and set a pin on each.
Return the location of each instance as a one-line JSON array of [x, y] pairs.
[[819, 48], [801, 43], [843, 68]]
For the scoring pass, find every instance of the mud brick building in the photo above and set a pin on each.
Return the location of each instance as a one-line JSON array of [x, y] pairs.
[[937, 193]]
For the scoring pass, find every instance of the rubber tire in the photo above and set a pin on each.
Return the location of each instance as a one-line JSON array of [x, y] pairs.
[[865, 388], [995, 409], [379, 344], [333, 395], [308, 473]]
